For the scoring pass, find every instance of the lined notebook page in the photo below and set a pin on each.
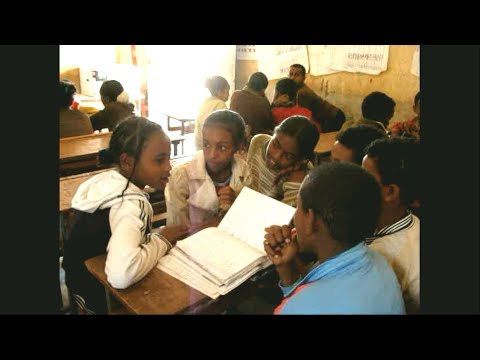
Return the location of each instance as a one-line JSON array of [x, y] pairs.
[[251, 213], [220, 254]]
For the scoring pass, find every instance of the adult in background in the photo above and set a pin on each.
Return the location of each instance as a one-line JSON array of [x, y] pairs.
[[254, 107], [117, 106], [72, 121], [328, 116]]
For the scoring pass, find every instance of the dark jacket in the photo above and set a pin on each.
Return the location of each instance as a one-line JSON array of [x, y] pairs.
[[111, 115]]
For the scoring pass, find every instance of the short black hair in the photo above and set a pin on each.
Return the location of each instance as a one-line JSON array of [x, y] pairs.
[[110, 90], [358, 137], [67, 90], [287, 86], [301, 67], [345, 197], [398, 162], [258, 81], [303, 131], [230, 121], [378, 106]]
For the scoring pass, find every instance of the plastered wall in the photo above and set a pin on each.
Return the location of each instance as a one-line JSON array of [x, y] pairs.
[[347, 90]]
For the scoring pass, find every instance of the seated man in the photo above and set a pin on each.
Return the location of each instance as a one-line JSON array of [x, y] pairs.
[[338, 206], [327, 116]]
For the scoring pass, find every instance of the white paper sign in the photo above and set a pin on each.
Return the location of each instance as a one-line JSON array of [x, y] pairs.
[[275, 60], [246, 52]]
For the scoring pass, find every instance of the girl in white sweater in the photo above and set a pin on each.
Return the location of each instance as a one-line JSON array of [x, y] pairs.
[[113, 216]]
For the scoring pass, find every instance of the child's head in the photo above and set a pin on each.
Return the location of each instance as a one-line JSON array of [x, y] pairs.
[[285, 91], [297, 74], [293, 141], [378, 106], [340, 200], [110, 91], [258, 82], [218, 87], [416, 104], [395, 163], [67, 90], [352, 142], [223, 134], [142, 151]]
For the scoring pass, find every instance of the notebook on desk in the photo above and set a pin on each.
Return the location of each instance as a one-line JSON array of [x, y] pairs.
[[218, 259]]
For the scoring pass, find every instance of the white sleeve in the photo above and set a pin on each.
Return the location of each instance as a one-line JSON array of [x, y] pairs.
[[131, 251], [176, 194]]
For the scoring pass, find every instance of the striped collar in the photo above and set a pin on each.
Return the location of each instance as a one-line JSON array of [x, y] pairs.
[[401, 224]]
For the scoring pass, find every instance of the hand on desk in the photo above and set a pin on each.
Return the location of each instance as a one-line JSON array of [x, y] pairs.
[[173, 233]]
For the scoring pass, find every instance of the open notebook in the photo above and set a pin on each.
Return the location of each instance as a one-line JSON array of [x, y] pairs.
[[218, 259]]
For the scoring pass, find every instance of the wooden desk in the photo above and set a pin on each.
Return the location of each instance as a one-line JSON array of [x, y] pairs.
[[160, 293], [156, 293], [181, 120], [81, 147], [324, 145], [68, 187], [79, 154]]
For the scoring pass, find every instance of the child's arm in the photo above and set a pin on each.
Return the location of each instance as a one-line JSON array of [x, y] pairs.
[[131, 251]]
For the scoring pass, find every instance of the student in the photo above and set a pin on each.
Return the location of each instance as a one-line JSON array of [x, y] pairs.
[[279, 163], [395, 163], [284, 102], [351, 144], [72, 121], [113, 216], [219, 91], [338, 205], [377, 110], [410, 127], [252, 104], [202, 190], [117, 106], [327, 116]]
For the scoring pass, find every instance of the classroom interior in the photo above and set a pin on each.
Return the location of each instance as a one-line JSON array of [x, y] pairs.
[[166, 84]]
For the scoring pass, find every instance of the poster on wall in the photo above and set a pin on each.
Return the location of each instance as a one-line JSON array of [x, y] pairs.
[[415, 68], [368, 59], [246, 52], [320, 57], [275, 60]]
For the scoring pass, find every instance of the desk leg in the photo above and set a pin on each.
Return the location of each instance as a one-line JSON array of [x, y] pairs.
[[175, 150], [109, 301], [182, 147]]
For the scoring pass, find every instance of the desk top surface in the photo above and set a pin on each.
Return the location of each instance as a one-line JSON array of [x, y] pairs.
[[160, 293], [156, 293], [325, 143], [77, 146]]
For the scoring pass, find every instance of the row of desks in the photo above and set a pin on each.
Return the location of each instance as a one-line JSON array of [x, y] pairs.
[[86, 147]]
